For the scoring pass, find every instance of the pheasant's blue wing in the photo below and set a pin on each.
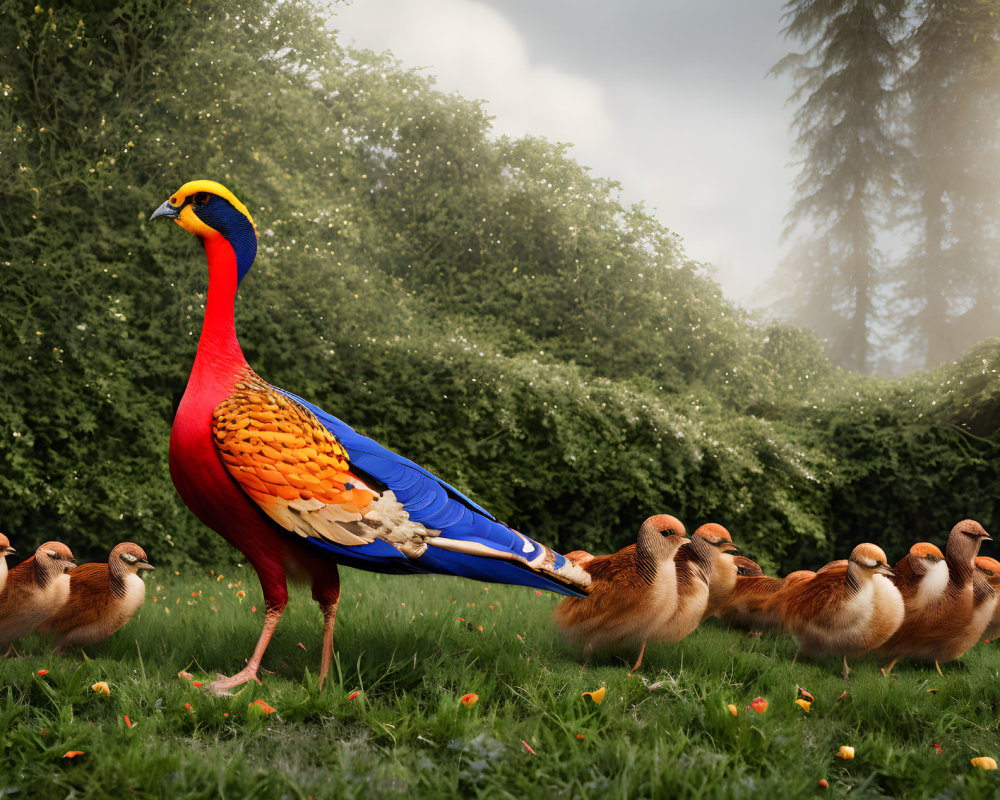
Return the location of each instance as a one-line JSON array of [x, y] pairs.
[[471, 543]]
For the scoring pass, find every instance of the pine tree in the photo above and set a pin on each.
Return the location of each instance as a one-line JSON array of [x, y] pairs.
[[951, 279], [849, 167]]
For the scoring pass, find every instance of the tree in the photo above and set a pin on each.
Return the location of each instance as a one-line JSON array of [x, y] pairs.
[[950, 282], [849, 167]]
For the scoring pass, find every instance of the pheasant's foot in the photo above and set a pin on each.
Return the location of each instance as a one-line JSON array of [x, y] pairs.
[[221, 685]]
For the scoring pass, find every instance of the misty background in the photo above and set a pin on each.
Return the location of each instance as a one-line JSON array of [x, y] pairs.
[[711, 114]]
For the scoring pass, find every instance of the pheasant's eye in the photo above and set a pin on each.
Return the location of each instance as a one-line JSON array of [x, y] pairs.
[[200, 198]]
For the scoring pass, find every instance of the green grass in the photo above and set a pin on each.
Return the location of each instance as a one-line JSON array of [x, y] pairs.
[[407, 734]]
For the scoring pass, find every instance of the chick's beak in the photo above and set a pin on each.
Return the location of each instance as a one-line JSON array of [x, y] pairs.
[[69, 566], [166, 210], [143, 564], [685, 540], [8, 550], [885, 569], [729, 547]]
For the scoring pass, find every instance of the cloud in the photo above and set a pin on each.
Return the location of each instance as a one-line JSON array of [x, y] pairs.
[[474, 50]]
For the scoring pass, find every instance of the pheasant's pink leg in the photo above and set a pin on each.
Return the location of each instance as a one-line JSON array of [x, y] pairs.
[[329, 618], [326, 592], [222, 684]]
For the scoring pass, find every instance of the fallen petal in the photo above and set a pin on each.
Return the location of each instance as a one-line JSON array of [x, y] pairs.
[[984, 762], [824, 784], [43, 672], [846, 752], [101, 687], [803, 704], [759, 705], [185, 675], [353, 695], [127, 721], [469, 700], [732, 709], [597, 696], [73, 753], [264, 707], [526, 745], [804, 695]]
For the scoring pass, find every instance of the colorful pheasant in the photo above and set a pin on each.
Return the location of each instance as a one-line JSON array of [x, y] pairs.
[[297, 490]]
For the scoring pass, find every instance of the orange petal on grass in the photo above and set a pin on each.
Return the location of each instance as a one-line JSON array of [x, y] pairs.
[[803, 704], [197, 683], [101, 687], [804, 695], [469, 700], [185, 675], [984, 762], [846, 752], [526, 745], [188, 707], [73, 753], [263, 706], [759, 705], [732, 709], [824, 783], [353, 695], [43, 672], [597, 696], [127, 721]]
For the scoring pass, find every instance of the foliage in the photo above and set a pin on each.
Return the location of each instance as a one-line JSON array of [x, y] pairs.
[[484, 306], [401, 646]]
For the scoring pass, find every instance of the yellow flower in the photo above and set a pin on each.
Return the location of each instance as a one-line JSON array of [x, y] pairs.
[[984, 762], [597, 696], [846, 752], [469, 700], [803, 704], [101, 687], [732, 709]]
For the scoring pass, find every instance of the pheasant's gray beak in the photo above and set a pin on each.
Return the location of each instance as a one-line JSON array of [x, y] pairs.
[[166, 210]]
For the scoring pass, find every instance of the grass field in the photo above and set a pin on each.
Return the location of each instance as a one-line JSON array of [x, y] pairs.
[[403, 645]]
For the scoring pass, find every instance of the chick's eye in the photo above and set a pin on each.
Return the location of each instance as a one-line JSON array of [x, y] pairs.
[[667, 532]]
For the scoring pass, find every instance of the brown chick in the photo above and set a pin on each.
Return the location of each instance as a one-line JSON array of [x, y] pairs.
[[628, 590], [722, 577], [921, 577], [578, 557], [990, 569], [694, 565], [5, 550], [35, 589], [102, 598], [748, 606], [953, 621], [843, 610]]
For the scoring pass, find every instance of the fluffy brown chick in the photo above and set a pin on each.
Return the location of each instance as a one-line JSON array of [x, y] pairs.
[[694, 565], [843, 609], [990, 569], [954, 620], [628, 590], [921, 577], [749, 605], [35, 589], [102, 598], [5, 550], [722, 577]]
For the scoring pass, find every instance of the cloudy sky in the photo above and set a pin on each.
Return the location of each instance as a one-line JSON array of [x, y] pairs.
[[669, 97]]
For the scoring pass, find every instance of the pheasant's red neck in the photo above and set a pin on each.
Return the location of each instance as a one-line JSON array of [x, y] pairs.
[[219, 354]]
